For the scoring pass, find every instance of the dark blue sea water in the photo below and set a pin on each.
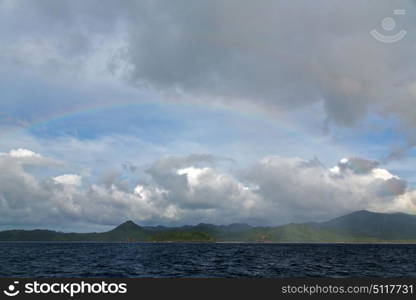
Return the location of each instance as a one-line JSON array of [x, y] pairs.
[[205, 260]]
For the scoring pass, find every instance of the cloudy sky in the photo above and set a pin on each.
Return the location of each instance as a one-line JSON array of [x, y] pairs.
[[181, 112]]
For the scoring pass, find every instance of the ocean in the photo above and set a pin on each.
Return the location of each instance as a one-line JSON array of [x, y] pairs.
[[23, 259]]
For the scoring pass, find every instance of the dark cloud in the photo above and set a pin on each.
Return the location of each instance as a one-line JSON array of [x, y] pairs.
[[393, 187], [129, 167], [358, 165], [274, 53]]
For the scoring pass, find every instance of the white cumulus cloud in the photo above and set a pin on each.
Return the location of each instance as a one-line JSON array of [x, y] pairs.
[[191, 189], [23, 153], [68, 179]]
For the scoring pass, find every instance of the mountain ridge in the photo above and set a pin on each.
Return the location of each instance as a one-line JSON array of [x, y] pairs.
[[357, 227]]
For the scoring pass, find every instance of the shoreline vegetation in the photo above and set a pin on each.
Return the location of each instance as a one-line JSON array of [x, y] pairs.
[[361, 227]]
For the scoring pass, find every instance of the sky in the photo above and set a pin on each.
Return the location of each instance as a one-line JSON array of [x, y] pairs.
[[180, 112]]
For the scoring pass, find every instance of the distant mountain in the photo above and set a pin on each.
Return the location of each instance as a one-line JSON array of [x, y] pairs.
[[126, 227], [359, 226], [393, 226], [128, 231]]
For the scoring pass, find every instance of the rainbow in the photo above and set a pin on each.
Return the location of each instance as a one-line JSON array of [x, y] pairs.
[[259, 115]]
